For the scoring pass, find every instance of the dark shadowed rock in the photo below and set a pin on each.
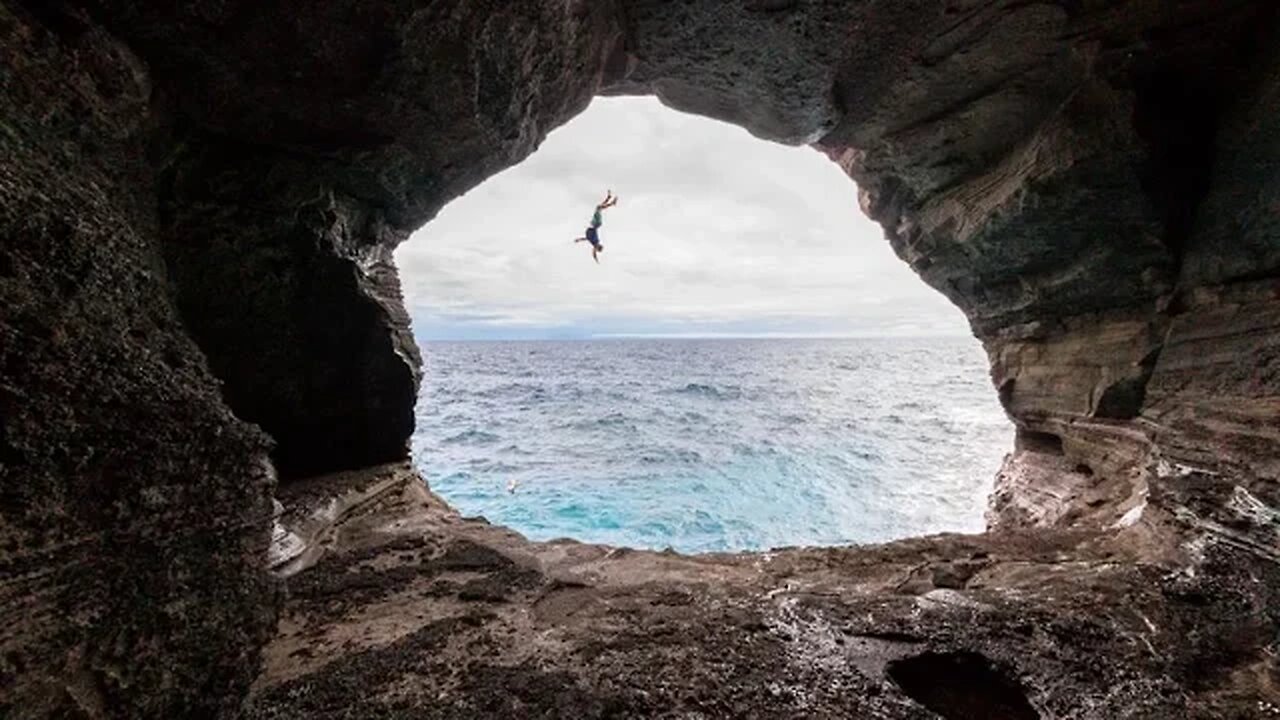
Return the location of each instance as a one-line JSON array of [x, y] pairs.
[[289, 287], [134, 507], [961, 686]]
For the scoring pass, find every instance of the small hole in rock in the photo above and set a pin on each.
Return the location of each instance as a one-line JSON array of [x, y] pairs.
[[961, 686]]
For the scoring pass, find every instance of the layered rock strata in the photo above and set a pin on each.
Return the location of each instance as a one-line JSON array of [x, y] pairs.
[[198, 205]]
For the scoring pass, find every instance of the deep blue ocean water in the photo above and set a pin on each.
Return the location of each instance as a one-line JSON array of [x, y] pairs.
[[704, 445]]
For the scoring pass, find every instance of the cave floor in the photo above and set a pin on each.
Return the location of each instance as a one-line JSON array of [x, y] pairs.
[[396, 606]]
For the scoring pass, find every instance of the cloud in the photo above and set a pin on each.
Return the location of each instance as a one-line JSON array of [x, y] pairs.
[[717, 232]]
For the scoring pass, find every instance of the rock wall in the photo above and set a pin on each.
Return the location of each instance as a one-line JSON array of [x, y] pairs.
[[132, 533], [288, 285], [200, 200]]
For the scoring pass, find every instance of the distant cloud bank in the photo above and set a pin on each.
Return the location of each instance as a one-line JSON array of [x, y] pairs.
[[718, 234]]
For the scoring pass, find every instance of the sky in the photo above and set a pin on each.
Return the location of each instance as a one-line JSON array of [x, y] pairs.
[[716, 233]]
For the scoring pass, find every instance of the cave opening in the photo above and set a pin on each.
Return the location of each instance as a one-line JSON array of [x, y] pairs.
[[202, 201], [961, 686], [748, 365]]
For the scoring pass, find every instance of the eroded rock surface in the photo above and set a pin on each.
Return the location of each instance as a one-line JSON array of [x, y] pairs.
[[199, 202], [415, 611]]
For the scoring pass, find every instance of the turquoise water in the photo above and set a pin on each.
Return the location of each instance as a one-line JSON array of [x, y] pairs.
[[703, 445]]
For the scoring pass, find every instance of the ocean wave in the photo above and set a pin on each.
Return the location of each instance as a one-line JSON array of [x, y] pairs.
[[669, 456], [486, 465], [914, 406], [612, 421], [507, 390], [472, 437], [709, 391]]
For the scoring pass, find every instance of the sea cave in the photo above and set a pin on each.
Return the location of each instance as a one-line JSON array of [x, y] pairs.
[[207, 376]]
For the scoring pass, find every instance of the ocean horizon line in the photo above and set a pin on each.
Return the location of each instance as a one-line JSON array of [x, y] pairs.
[[697, 336]]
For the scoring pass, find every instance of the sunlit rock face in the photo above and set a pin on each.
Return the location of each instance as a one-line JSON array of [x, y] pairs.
[[199, 201]]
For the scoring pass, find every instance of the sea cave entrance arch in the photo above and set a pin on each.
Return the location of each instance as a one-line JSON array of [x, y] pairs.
[[662, 441], [200, 205]]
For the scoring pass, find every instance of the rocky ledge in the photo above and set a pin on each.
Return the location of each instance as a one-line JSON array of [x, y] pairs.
[[412, 611], [199, 311]]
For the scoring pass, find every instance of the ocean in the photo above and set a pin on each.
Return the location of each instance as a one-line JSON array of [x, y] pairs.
[[711, 445]]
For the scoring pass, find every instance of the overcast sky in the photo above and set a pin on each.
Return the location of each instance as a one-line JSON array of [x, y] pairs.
[[716, 233]]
